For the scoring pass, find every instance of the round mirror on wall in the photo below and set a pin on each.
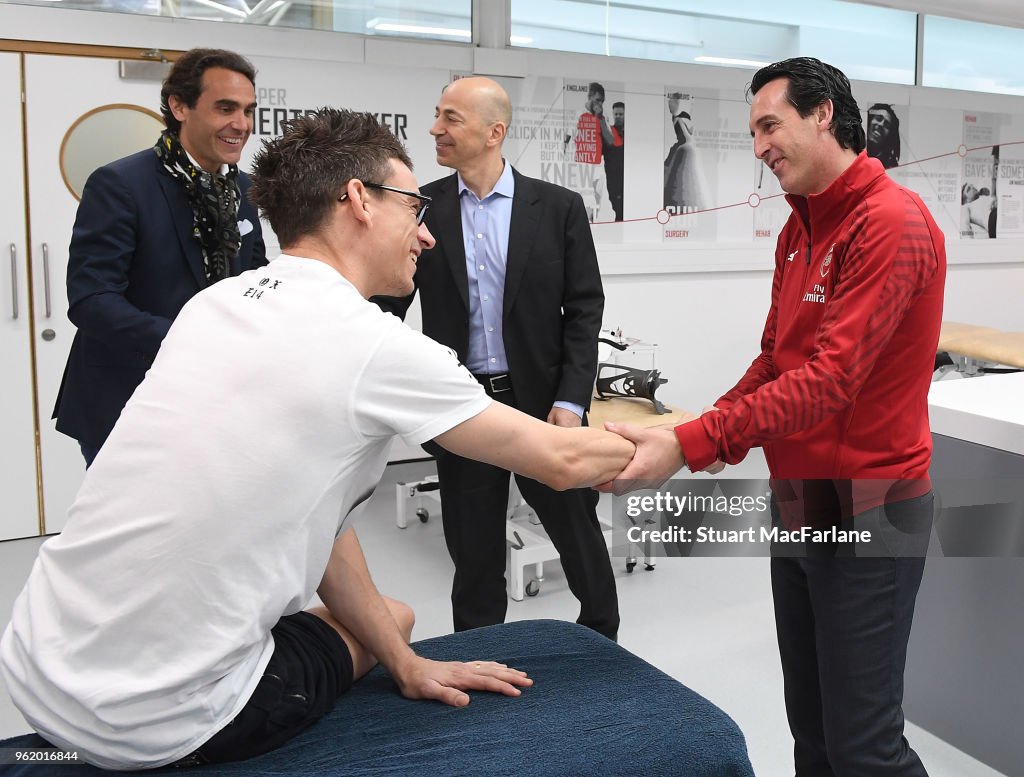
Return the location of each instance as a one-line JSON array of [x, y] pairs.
[[103, 135]]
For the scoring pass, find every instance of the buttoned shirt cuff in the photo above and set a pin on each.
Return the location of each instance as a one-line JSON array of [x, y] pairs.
[[572, 406], [699, 449]]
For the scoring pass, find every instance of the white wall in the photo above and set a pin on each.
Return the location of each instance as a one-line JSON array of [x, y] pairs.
[[986, 294]]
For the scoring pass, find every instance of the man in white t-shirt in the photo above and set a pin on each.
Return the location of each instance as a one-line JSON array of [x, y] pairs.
[[165, 625]]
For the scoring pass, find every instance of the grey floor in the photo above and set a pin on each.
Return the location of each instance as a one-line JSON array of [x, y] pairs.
[[707, 622]]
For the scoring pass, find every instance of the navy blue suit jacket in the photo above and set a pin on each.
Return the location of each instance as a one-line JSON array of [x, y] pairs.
[[133, 264]]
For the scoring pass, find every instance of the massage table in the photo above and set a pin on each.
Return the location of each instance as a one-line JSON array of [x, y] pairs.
[[595, 709], [528, 544], [976, 350]]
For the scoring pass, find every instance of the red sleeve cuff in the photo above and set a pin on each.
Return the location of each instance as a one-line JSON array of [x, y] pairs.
[[699, 449]]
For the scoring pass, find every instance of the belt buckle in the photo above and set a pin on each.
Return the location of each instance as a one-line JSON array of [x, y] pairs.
[[499, 383]]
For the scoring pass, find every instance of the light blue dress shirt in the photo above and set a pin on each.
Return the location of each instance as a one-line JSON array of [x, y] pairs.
[[485, 228]]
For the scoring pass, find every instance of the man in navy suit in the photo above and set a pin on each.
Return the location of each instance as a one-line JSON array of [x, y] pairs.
[[513, 287], [152, 230]]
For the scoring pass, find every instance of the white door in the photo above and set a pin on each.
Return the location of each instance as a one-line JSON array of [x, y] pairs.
[[60, 91], [19, 508]]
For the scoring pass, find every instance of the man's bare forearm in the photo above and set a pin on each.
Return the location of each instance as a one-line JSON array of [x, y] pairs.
[[348, 592], [593, 456], [558, 457]]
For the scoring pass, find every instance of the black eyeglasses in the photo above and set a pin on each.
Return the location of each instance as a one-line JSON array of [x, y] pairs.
[[421, 211]]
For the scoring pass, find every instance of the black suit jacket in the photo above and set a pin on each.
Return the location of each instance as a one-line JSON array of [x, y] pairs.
[[133, 264], [553, 301]]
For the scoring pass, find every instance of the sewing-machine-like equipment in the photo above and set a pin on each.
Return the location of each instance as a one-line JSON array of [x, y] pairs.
[[625, 368]]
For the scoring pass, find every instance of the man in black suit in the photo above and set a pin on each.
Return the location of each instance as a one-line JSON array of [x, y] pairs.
[[513, 287], [151, 231]]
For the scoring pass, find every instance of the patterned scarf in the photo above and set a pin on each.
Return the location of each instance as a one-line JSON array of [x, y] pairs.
[[214, 199]]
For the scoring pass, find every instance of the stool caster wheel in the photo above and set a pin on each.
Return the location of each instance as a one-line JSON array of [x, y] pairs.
[[423, 514], [629, 567], [649, 567], [533, 588]]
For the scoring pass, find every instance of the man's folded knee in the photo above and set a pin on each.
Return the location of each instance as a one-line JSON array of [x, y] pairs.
[[403, 615]]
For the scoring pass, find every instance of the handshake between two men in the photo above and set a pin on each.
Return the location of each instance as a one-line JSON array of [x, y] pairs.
[[620, 457], [658, 455]]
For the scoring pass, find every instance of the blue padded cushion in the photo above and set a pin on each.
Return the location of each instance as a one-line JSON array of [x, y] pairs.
[[595, 709]]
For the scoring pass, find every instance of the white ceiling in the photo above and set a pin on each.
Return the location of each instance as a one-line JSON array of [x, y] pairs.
[[1006, 12]]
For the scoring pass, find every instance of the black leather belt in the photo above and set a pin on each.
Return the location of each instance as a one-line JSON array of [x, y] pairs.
[[495, 384]]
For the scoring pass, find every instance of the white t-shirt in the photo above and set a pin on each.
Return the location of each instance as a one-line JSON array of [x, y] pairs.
[[144, 628]]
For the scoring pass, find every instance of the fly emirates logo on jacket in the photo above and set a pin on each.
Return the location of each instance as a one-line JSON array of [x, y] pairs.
[[816, 294]]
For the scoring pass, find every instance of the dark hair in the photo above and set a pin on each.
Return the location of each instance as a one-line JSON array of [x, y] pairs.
[[619, 104], [298, 177], [595, 88], [888, 151], [185, 81], [811, 83]]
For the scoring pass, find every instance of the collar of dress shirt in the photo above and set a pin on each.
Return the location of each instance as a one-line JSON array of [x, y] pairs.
[[223, 168], [506, 185]]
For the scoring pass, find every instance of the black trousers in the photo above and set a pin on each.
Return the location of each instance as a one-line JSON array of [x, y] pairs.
[[474, 501], [843, 625]]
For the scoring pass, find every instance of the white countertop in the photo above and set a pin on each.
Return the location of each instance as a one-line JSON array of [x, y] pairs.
[[988, 410]]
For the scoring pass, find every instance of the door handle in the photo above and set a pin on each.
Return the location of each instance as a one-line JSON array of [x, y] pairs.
[[14, 281], [46, 279]]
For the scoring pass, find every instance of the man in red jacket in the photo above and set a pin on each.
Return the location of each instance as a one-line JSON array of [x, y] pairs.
[[838, 399]]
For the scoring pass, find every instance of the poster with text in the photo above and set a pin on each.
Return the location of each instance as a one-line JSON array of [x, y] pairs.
[[925, 141], [714, 188], [593, 146], [978, 189], [1010, 178]]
